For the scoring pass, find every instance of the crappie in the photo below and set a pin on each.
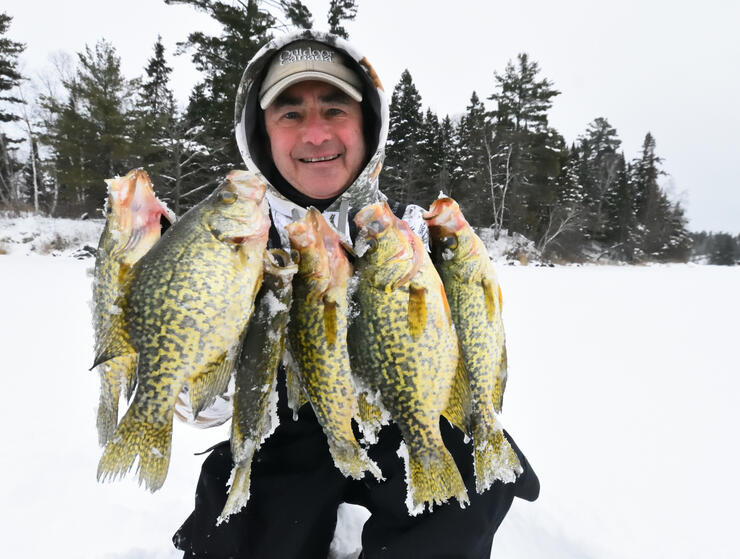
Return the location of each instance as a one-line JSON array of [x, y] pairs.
[[255, 398], [475, 301], [132, 227], [185, 305], [317, 339], [403, 345]]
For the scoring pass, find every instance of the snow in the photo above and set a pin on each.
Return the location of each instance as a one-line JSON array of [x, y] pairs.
[[622, 392]]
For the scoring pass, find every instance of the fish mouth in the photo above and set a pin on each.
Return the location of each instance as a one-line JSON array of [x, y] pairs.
[[320, 159]]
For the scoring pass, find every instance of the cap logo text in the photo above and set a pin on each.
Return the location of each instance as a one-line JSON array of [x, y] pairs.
[[307, 53]]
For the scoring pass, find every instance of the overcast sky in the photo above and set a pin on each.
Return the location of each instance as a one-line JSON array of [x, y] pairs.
[[670, 67]]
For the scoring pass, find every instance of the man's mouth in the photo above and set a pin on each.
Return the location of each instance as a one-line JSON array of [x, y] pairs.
[[319, 159]]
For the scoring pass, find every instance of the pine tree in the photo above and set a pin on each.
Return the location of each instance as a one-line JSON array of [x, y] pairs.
[[600, 164], [10, 78], [523, 155], [339, 11], [661, 226], [619, 216], [449, 147], [475, 180], [154, 115], [402, 166], [431, 158], [89, 132]]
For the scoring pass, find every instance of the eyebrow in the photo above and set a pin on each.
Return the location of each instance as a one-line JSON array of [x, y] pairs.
[[334, 97]]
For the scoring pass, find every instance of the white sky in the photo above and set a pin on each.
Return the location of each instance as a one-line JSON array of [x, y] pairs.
[[668, 67]]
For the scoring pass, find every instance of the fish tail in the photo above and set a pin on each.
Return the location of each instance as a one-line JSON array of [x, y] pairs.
[[135, 436], [494, 458], [433, 479], [352, 460], [238, 490]]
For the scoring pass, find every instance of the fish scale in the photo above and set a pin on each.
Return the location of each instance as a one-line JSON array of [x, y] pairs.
[[185, 305]]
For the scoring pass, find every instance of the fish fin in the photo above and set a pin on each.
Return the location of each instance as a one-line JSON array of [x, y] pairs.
[[296, 397], [417, 310], [206, 386], [494, 458], [115, 374], [433, 479], [352, 460], [489, 288], [460, 401], [330, 319], [499, 385], [135, 436], [238, 484], [110, 347]]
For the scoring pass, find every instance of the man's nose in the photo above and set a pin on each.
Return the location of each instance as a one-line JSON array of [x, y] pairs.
[[316, 130]]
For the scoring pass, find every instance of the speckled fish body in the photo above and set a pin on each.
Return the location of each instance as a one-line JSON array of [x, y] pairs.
[[404, 347], [132, 227], [255, 396], [317, 338], [185, 305], [475, 301]]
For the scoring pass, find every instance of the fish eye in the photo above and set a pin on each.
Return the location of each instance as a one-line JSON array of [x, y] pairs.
[[449, 242], [295, 256], [227, 196], [372, 244]]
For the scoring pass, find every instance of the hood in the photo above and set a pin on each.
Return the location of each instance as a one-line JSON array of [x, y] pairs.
[[251, 138]]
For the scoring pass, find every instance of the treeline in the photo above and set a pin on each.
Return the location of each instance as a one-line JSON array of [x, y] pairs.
[[506, 166], [716, 248], [511, 171]]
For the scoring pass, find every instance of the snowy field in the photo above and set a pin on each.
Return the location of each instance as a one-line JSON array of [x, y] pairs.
[[623, 394]]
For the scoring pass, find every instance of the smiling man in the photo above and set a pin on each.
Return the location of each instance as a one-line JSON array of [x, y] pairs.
[[312, 118]]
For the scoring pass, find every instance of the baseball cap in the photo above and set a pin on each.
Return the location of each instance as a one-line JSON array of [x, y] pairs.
[[308, 60]]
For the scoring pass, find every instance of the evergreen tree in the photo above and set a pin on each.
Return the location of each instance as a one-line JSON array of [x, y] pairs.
[[431, 158], [89, 132], [598, 171], [723, 250], [339, 11], [448, 146], [523, 154], [10, 78], [619, 215], [402, 167], [154, 115], [661, 225], [475, 181]]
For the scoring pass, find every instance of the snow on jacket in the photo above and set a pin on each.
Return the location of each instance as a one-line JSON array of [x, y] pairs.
[[253, 146]]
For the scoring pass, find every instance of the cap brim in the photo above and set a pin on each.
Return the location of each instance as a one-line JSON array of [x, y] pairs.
[[269, 96]]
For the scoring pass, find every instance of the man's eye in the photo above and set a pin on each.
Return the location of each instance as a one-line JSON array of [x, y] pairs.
[[292, 115], [334, 111]]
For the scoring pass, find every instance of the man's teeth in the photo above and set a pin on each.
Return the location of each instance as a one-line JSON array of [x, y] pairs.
[[316, 159]]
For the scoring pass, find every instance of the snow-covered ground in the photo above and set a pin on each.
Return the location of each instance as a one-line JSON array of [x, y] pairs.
[[623, 394]]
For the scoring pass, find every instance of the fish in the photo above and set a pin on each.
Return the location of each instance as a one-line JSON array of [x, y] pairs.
[[403, 346], [475, 299], [185, 305], [255, 397], [132, 227], [317, 339]]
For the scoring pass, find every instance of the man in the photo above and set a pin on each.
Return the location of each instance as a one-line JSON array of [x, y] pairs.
[[312, 118]]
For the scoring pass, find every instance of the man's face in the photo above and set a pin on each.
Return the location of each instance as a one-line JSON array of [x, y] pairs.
[[316, 139]]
